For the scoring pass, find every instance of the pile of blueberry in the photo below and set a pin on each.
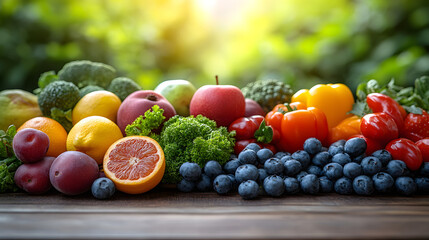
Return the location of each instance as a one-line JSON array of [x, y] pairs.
[[342, 168]]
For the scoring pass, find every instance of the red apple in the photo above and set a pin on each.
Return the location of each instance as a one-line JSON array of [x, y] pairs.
[[138, 103], [221, 103], [253, 108]]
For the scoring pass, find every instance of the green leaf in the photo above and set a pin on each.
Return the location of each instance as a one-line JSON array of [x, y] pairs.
[[360, 109], [413, 109], [145, 126], [46, 78], [264, 134]]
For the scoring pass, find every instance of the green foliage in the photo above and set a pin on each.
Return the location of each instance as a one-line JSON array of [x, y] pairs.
[[123, 87], [413, 99], [147, 125], [85, 73], [193, 139], [57, 100], [8, 161]]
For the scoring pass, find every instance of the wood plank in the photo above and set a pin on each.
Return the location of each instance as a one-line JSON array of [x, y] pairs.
[[168, 214]]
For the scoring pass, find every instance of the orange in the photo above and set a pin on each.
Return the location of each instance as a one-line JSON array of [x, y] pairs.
[[93, 136], [55, 131], [98, 103], [135, 164]]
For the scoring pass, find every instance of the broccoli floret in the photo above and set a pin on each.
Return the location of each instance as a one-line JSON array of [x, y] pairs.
[[193, 139], [57, 101], [83, 73], [123, 87], [89, 89], [268, 93]]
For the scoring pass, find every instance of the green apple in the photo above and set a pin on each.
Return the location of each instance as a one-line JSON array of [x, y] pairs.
[[179, 93]]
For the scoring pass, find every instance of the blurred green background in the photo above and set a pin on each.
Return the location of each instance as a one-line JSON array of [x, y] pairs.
[[299, 42]]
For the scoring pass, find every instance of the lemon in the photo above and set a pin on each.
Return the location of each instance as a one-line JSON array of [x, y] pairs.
[[98, 103], [93, 136]]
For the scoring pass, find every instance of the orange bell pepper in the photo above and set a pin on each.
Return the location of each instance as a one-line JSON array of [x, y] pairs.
[[345, 129], [296, 125]]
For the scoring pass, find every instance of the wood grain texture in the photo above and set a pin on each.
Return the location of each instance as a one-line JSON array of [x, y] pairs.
[[167, 214]]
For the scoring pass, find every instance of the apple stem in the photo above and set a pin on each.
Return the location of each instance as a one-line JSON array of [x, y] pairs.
[[217, 80]]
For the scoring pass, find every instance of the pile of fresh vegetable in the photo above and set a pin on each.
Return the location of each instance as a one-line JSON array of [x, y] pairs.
[[318, 140]]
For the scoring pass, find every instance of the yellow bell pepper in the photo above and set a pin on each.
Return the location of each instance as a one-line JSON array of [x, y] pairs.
[[335, 100]]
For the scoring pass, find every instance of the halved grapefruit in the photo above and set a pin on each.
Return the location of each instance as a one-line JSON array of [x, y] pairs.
[[135, 164]]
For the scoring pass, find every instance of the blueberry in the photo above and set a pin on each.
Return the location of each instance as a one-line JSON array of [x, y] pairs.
[[248, 189], [326, 185], [358, 159], [292, 167], [285, 158], [246, 172], [292, 185], [355, 146], [363, 185], [333, 171], [212, 169], [300, 175], [422, 184], [190, 171], [263, 155], [252, 146], [312, 146], [222, 184], [262, 175], [396, 168], [310, 184], [313, 169], [383, 182], [303, 157], [371, 165], [335, 149], [274, 186], [231, 166], [383, 155], [279, 155], [186, 186], [424, 169], [340, 142], [405, 185], [343, 186], [352, 170], [341, 158], [233, 181], [103, 188], [274, 166], [321, 159], [204, 184], [248, 156]]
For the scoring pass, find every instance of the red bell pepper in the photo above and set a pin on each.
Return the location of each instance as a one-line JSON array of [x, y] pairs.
[[378, 102], [407, 151], [416, 126], [423, 145], [295, 126], [380, 127]]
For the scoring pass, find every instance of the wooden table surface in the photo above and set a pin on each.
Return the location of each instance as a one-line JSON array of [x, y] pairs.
[[168, 214]]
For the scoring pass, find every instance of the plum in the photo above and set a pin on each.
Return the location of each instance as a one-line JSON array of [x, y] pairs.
[[30, 145], [73, 172], [34, 177], [253, 108]]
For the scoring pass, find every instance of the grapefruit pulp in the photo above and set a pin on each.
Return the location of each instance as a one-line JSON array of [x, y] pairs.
[[135, 164]]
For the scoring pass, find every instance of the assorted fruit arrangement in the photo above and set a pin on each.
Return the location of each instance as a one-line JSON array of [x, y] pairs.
[[88, 129]]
